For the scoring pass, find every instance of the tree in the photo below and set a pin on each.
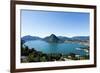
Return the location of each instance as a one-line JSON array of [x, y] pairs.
[[31, 57], [43, 59]]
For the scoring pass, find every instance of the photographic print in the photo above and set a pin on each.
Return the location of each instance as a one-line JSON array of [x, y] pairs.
[[52, 36]]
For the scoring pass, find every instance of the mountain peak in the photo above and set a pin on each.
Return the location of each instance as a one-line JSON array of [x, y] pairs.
[[52, 35], [52, 38]]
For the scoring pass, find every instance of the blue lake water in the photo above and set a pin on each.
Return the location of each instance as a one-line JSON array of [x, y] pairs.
[[63, 48]]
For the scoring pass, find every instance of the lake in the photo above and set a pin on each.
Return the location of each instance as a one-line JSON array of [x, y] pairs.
[[63, 48]]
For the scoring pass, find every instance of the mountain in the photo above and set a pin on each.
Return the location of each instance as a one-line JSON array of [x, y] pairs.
[[55, 39], [63, 38], [28, 38], [80, 38], [52, 39]]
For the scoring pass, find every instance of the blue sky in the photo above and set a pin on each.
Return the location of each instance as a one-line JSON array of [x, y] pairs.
[[45, 23]]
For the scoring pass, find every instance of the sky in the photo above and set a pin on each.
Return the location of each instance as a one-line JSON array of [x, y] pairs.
[[45, 23]]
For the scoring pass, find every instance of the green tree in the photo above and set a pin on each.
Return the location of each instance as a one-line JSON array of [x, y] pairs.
[[43, 59], [31, 57]]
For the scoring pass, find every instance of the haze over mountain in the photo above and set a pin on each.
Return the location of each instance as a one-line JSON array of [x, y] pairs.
[[29, 38], [80, 38]]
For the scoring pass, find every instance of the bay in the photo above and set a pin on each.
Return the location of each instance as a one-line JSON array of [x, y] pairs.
[[62, 48]]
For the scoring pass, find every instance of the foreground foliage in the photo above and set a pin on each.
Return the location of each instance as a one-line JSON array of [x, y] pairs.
[[31, 55]]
